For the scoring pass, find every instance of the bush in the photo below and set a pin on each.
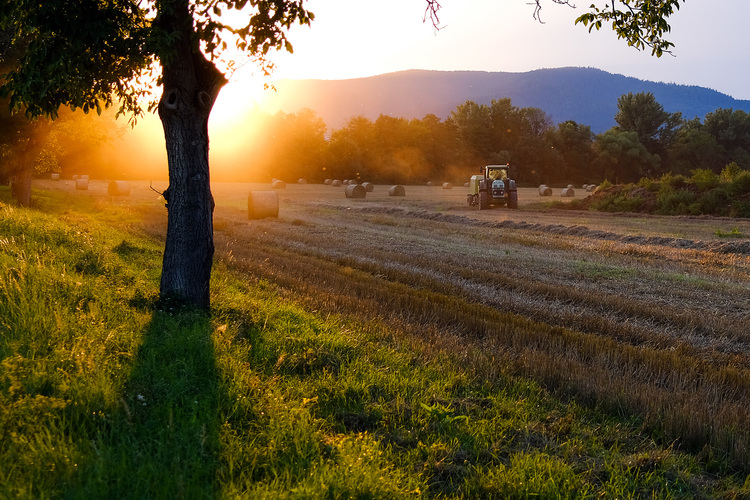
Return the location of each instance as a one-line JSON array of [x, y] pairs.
[[606, 184], [677, 202], [741, 184], [716, 202], [704, 179], [649, 183], [622, 199], [730, 172], [674, 181]]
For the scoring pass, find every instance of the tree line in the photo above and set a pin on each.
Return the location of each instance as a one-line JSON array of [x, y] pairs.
[[646, 141]]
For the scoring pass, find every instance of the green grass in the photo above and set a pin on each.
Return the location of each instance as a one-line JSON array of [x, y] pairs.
[[102, 396]]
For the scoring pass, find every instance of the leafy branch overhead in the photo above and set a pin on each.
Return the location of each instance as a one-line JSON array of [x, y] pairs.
[[89, 54], [641, 23]]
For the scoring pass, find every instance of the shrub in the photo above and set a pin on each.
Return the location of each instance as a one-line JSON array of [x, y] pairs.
[[649, 183], [740, 209], [730, 172], [741, 184], [624, 199], [677, 202], [606, 184], [716, 202], [704, 179], [675, 181]]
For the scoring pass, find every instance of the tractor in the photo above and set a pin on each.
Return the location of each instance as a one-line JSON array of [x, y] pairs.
[[493, 187]]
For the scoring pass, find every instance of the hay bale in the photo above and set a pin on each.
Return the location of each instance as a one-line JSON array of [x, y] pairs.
[[355, 191], [82, 184], [118, 188], [55, 177], [591, 187], [545, 190], [567, 192], [447, 185], [397, 190], [336, 183], [277, 184], [261, 204], [301, 181], [369, 186], [429, 183], [327, 182]]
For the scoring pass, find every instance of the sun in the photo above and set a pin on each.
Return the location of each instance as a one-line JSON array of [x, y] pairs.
[[235, 102]]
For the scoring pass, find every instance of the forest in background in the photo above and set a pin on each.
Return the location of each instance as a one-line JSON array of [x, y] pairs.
[[646, 142]]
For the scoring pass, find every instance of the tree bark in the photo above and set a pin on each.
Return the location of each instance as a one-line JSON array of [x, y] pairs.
[[20, 187], [190, 87]]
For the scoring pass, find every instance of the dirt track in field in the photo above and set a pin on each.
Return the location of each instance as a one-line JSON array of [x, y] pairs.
[[658, 282]]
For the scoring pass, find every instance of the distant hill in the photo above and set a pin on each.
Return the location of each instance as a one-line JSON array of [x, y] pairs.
[[585, 95]]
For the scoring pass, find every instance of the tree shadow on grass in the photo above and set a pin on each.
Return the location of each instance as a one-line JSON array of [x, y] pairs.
[[163, 439]]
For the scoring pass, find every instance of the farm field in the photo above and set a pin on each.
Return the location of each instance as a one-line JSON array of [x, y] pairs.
[[641, 317], [662, 287]]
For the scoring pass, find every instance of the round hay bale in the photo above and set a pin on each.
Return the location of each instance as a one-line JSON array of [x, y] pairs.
[[397, 190], [429, 183], [301, 181], [336, 183], [118, 188], [447, 185], [567, 192], [55, 177], [355, 191], [369, 186], [570, 186], [327, 182], [545, 190], [591, 187], [261, 204], [82, 184], [277, 184]]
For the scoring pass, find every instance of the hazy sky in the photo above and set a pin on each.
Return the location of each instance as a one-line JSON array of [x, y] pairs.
[[357, 38]]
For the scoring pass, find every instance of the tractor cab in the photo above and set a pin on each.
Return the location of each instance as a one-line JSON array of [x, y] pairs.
[[494, 186]]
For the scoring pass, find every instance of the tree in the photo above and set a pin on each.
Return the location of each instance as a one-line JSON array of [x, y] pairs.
[[731, 129], [91, 54], [694, 147], [642, 114], [574, 142], [621, 156]]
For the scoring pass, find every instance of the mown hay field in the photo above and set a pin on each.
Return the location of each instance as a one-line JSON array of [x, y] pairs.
[[642, 316]]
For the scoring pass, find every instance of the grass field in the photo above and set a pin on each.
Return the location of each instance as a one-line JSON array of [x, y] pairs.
[[377, 348]]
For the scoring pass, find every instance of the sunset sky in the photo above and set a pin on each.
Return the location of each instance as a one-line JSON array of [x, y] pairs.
[[357, 38]]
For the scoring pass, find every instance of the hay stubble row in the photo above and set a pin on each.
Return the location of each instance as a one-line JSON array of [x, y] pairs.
[[652, 329], [647, 315]]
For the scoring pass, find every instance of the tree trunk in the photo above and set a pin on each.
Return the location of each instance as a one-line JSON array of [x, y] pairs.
[[20, 187], [191, 85]]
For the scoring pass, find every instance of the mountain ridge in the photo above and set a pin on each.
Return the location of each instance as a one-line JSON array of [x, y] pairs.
[[585, 95]]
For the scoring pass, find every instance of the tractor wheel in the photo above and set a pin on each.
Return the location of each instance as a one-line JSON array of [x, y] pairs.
[[513, 199], [484, 200]]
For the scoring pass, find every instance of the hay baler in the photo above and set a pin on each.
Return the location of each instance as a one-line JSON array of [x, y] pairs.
[[495, 186]]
